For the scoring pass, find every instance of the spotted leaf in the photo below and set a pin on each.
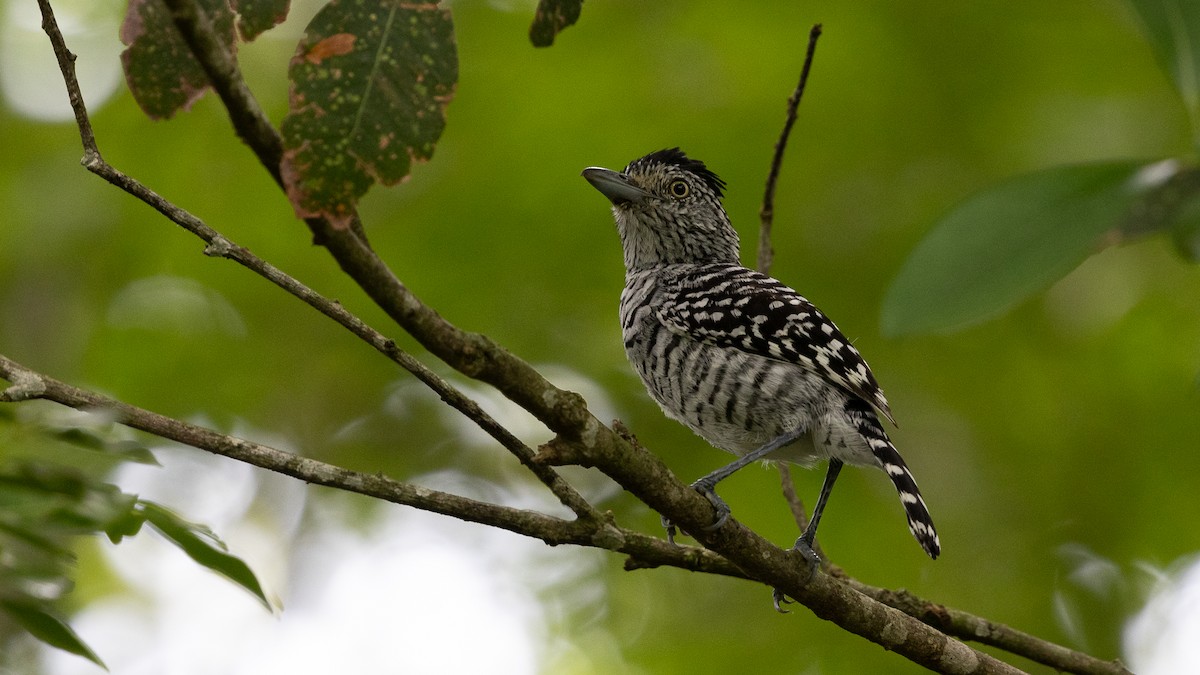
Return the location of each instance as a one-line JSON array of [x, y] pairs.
[[163, 76], [370, 84]]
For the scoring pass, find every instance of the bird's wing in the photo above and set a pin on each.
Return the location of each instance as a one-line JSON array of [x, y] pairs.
[[731, 306]]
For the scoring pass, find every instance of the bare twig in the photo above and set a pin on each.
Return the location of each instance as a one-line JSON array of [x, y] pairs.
[[766, 215], [971, 627], [472, 354], [599, 532], [766, 252], [308, 470]]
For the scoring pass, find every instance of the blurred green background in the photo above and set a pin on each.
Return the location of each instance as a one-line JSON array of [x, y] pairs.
[[1050, 443]]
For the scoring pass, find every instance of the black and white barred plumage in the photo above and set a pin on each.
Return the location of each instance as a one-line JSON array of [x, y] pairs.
[[740, 358]]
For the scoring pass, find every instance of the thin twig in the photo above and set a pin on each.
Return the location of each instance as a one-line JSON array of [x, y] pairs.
[[766, 253], [472, 354], [971, 627], [219, 246], [303, 468], [600, 532]]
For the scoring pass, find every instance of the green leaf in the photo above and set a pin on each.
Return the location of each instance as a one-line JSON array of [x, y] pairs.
[[162, 74], [1008, 242], [370, 84], [1186, 232], [93, 439], [48, 628], [125, 526], [1173, 29], [202, 546], [552, 17], [256, 16]]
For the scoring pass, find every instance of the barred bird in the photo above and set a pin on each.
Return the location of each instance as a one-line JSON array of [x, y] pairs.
[[744, 361]]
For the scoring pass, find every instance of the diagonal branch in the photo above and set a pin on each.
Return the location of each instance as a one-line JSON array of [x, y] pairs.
[[475, 355]]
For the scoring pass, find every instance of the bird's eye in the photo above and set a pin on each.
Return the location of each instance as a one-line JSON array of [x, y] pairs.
[[679, 189]]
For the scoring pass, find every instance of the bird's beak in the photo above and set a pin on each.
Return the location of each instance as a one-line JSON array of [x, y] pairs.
[[615, 186]]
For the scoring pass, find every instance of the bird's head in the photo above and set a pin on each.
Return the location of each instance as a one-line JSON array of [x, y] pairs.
[[668, 210]]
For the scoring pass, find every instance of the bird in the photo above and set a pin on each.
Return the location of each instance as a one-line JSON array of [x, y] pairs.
[[744, 361]]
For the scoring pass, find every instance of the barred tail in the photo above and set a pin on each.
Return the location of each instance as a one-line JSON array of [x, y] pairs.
[[920, 523]]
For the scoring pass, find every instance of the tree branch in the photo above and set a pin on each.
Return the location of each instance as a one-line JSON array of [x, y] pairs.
[[766, 215], [220, 246], [28, 384], [599, 531], [472, 354], [970, 627]]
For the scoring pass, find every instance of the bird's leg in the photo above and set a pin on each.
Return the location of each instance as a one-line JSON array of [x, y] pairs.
[[804, 545], [707, 485]]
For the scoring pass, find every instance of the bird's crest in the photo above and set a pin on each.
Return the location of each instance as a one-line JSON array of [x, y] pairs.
[[676, 157]]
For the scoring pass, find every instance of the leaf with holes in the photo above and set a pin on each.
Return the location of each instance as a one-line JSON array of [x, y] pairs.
[[256, 16], [163, 76], [1012, 240], [370, 84]]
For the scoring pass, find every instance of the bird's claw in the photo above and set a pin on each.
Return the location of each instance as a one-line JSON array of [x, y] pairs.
[[719, 506], [778, 598], [669, 527], [805, 548]]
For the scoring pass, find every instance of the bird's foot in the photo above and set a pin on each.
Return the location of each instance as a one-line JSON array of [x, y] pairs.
[[719, 506], [722, 509], [804, 547]]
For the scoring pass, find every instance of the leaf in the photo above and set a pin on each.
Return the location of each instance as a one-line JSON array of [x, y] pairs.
[[48, 628], [93, 439], [257, 16], [370, 84], [202, 546], [1186, 232], [551, 18], [1010, 241], [18, 534], [126, 526], [1173, 29], [163, 76]]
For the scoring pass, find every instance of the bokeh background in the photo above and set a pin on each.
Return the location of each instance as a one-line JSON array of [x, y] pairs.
[[1056, 445]]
